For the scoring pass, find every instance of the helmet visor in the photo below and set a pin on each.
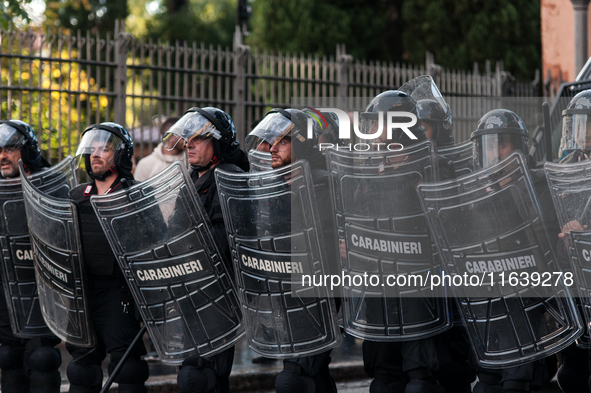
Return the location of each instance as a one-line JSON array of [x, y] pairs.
[[272, 129], [490, 149], [99, 143], [580, 130], [424, 87], [11, 138], [191, 125]]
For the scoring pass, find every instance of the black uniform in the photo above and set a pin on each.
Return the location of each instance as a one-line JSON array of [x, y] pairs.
[[441, 359], [575, 371], [112, 308], [314, 369], [28, 365], [195, 373], [533, 375]]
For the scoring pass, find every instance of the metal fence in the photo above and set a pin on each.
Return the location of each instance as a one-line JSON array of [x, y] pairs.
[[61, 82]]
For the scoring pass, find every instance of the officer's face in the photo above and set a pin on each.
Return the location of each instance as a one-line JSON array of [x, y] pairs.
[[496, 152], [428, 128], [102, 157], [200, 151], [9, 157], [281, 153], [264, 147]]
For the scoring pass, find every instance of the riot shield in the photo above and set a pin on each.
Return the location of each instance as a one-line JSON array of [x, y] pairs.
[[571, 193], [514, 298], [259, 161], [18, 271], [461, 155], [383, 231], [59, 269], [165, 247], [273, 227]]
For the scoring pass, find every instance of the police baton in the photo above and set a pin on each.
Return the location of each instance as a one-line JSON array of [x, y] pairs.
[[123, 360]]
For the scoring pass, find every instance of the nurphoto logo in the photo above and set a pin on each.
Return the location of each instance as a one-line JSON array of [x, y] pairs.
[[392, 120]]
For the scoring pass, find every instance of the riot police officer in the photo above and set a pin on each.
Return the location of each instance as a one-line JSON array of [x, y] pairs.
[[285, 132], [105, 151], [434, 363], [28, 365], [499, 133], [574, 374], [436, 121], [210, 139]]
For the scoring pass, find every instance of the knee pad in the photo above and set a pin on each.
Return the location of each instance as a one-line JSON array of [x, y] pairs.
[[514, 386], [44, 359], [289, 382], [378, 386], [84, 377], [196, 380], [11, 357], [484, 388], [421, 386], [132, 375], [571, 380]]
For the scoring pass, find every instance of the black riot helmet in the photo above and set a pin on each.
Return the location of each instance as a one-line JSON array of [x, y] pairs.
[[100, 140], [16, 134], [497, 134], [208, 122], [576, 125], [326, 126], [279, 124], [432, 112], [392, 101]]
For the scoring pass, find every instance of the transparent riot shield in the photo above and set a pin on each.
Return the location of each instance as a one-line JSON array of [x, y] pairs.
[[383, 232], [259, 161], [59, 269], [165, 247], [513, 296], [18, 270], [570, 186], [461, 155], [273, 227]]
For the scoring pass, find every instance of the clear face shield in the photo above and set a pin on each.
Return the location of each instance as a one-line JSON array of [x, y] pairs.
[[490, 149], [99, 143], [11, 139], [269, 132], [424, 88], [578, 125], [191, 125]]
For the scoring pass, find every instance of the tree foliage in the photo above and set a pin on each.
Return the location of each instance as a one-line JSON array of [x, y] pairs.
[[370, 30], [211, 22], [459, 32], [11, 10], [84, 15]]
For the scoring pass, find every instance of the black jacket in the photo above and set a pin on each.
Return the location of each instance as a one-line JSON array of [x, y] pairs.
[[97, 254], [208, 195]]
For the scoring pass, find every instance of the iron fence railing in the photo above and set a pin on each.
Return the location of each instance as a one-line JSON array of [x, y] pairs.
[[61, 82]]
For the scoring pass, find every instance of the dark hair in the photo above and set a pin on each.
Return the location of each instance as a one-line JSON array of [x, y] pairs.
[[166, 124]]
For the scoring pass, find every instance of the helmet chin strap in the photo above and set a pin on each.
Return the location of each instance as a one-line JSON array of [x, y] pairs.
[[203, 168]]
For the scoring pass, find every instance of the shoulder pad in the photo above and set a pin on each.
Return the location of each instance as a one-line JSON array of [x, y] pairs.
[[77, 193]]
